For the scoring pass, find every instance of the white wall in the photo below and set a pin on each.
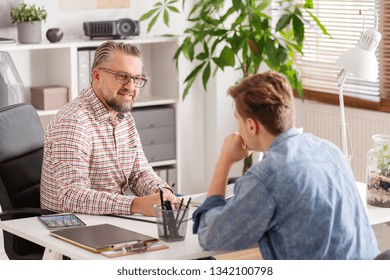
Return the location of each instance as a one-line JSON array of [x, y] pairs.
[[206, 118]]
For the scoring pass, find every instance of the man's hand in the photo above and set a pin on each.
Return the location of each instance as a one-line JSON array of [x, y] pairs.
[[144, 204], [233, 149]]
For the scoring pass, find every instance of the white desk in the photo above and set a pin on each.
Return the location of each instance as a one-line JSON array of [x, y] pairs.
[[34, 231], [376, 215]]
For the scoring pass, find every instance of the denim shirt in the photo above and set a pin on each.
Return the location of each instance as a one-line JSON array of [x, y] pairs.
[[299, 202]]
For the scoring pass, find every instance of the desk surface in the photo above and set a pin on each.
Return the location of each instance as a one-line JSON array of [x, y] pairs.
[[376, 215], [31, 229]]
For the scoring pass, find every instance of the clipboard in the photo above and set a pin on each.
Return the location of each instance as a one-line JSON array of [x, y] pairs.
[[107, 237]]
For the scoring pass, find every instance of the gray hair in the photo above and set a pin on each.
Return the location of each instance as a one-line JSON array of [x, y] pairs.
[[104, 51]]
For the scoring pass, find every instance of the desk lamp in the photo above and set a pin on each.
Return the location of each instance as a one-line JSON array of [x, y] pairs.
[[360, 61]]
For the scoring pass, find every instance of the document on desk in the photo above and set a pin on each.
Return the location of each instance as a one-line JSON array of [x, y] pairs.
[[137, 217], [107, 237]]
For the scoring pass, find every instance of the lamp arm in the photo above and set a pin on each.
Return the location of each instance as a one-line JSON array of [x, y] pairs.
[[375, 15], [341, 77]]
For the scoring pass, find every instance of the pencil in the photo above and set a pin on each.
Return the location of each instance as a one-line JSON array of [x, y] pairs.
[[161, 197], [164, 223], [184, 213], [179, 209]]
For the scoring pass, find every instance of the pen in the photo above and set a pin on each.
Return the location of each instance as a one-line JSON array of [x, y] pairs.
[[184, 213], [161, 197], [168, 205], [163, 212], [178, 212]]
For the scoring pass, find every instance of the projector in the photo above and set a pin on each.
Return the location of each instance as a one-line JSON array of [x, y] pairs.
[[115, 29]]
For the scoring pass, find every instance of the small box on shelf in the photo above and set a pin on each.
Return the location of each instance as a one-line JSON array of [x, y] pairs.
[[49, 97]]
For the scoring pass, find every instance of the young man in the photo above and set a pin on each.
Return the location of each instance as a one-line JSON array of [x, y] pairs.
[[299, 202], [92, 150]]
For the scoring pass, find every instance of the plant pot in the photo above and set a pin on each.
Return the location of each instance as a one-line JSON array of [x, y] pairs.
[[378, 190], [29, 32]]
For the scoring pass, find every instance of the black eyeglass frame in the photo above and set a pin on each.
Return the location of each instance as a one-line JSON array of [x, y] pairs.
[[142, 79]]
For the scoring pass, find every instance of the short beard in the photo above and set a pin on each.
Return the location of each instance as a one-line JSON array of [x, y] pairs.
[[123, 108]]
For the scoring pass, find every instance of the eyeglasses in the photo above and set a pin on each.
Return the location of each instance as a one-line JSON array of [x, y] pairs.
[[123, 78]]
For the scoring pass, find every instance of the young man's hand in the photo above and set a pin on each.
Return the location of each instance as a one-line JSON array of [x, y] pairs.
[[234, 149]]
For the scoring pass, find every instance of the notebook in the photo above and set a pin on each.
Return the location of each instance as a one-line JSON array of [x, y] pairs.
[[100, 238]]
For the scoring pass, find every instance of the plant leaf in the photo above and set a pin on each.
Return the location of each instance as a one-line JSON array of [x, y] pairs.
[[299, 29], [271, 52], [173, 9], [187, 88], [262, 5], [228, 56], [202, 56], [309, 4], [194, 72], [153, 21], [148, 14], [283, 22], [206, 75], [323, 29], [236, 4], [166, 17]]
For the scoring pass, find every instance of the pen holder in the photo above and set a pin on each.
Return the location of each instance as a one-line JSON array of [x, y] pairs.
[[171, 224]]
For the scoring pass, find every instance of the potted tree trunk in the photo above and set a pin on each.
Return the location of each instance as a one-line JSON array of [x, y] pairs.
[[28, 19]]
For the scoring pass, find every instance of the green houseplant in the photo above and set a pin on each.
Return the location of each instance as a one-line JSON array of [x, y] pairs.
[[378, 172], [29, 22], [242, 34]]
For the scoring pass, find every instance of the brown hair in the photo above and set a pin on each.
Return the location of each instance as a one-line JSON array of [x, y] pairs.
[[104, 51], [268, 98]]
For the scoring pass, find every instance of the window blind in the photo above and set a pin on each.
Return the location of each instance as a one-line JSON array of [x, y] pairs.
[[385, 54], [344, 20]]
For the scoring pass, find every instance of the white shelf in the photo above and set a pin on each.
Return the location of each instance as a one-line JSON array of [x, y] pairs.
[[162, 163], [140, 102], [81, 43], [153, 101]]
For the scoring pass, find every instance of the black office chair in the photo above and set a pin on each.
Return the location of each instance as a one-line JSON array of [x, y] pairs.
[[21, 155]]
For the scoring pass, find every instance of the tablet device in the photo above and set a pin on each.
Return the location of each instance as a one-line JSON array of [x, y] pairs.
[[59, 221]]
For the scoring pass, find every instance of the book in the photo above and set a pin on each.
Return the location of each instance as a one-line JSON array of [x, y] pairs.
[[105, 237], [6, 40]]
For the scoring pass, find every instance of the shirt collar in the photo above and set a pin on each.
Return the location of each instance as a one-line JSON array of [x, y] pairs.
[[98, 109], [284, 135]]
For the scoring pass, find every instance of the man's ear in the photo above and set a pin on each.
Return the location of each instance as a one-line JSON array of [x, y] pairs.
[[252, 126], [95, 74]]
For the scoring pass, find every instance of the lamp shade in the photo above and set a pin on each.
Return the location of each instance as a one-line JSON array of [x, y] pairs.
[[361, 60]]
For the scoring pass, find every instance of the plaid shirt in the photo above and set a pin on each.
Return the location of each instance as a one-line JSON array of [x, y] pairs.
[[89, 157]]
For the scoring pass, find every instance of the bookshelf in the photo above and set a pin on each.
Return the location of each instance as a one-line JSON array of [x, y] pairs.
[[47, 64]]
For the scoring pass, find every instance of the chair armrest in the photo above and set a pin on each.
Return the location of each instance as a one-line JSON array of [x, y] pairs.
[[24, 211]]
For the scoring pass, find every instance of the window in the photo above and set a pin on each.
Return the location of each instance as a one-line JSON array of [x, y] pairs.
[[345, 21]]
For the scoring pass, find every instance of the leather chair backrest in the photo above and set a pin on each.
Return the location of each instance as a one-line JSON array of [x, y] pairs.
[[21, 154]]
